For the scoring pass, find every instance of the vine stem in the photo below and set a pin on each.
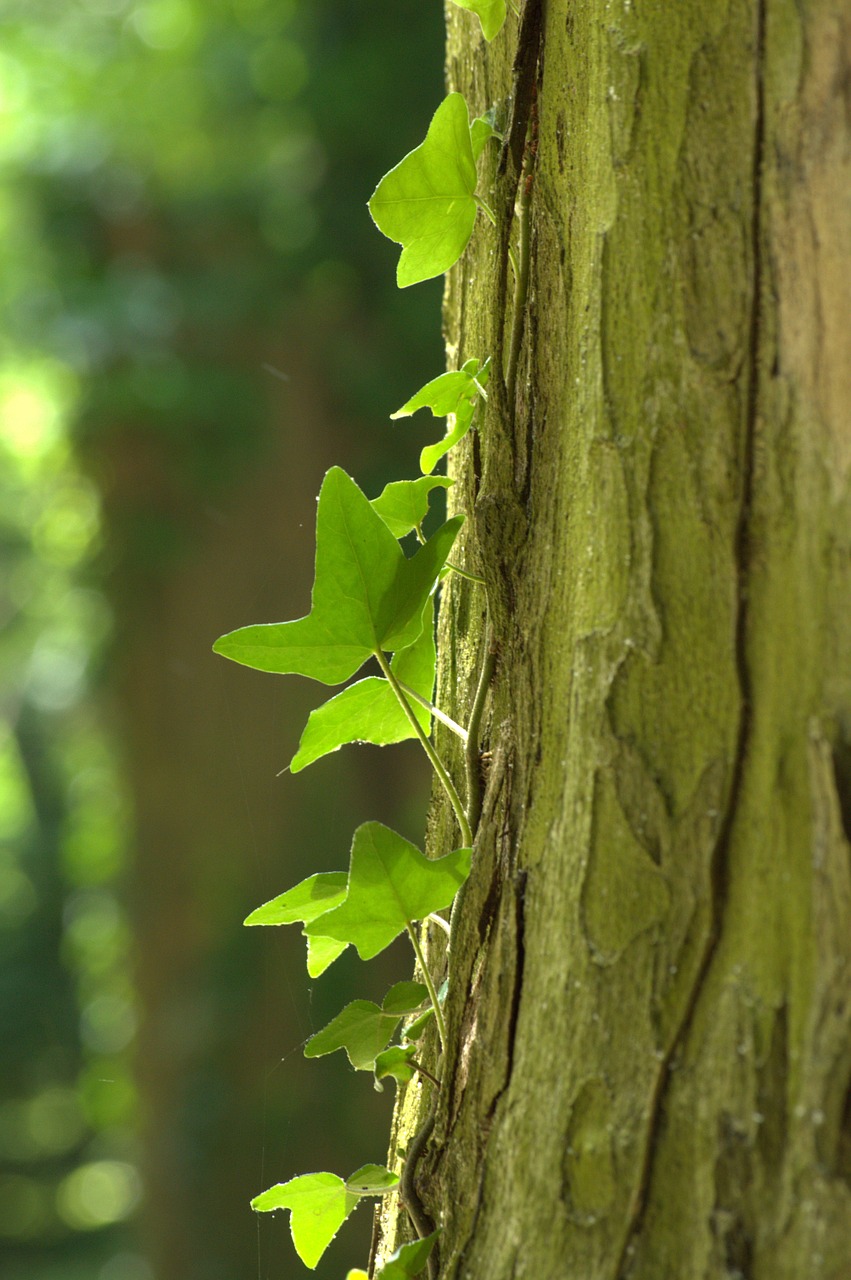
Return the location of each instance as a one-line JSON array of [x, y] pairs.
[[418, 1066], [427, 979], [486, 209], [420, 1220], [444, 719], [464, 573], [436, 762], [471, 754]]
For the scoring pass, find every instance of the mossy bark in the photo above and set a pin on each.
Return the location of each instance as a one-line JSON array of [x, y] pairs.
[[650, 1008]]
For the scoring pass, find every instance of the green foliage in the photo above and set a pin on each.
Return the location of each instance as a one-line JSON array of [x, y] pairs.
[[453, 396], [391, 885], [304, 902], [405, 997], [481, 131], [363, 1029], [369, 710], [408, 1260], [491, 14], [395, 1062], [415, 1029], [367, 596], [370, 600], [427, 202], [300, 905], [372, 1180], [319, 1204], [403, 504]]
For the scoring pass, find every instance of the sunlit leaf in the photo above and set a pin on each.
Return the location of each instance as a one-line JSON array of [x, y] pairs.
[[305, 902], [321, 953], [363, 1028], [395, 1062], [367, 596], [426, 203], [391, 884], [491, 14], [444, 394], [453, 396], [369, 710], [319, 1204], [403, 504], [372, 1180], [408, 1260], [481, 131]]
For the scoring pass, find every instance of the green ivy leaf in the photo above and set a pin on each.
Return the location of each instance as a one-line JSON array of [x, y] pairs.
[[403, 504], [405, 997], [426, 203], [491, 14], [319, 1204], [408, 1260], [391, 884], [363, 1029], [311, 898], [321, 953], [481, 131], [372, 1180], [415, 1028], [446, 393], [451, 395], [368, 711], [303, 903], [395, 1062], [367, 596]]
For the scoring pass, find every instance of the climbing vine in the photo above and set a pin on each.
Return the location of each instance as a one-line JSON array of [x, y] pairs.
[[372, 601]]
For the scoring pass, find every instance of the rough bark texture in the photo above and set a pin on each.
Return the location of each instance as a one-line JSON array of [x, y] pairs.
[[650, 1008]]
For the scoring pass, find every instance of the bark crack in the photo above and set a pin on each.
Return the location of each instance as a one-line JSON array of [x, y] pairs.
[[742, 542]]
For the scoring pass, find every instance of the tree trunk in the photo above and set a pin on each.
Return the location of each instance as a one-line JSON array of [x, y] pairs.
[[650, 1009]]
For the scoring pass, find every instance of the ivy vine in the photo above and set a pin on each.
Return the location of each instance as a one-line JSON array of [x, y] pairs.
[[371, 600]]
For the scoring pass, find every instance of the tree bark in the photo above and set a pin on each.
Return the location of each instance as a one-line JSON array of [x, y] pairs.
[[650, 1006]]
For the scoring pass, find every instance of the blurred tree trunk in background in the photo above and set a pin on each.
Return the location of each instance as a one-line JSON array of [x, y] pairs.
[[650, 1013], [214, 827], [183, 188], [208, 465]]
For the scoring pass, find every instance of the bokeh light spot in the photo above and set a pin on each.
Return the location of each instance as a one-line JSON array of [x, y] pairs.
[[107, 1024], [98, 1194], [164, 24]]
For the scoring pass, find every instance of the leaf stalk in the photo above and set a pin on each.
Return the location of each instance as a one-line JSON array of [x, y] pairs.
[[471, 755], [436, 762], [427, 979], [444, 719]]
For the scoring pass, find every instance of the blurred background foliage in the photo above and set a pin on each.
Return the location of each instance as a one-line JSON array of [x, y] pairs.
[[197, 319]]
